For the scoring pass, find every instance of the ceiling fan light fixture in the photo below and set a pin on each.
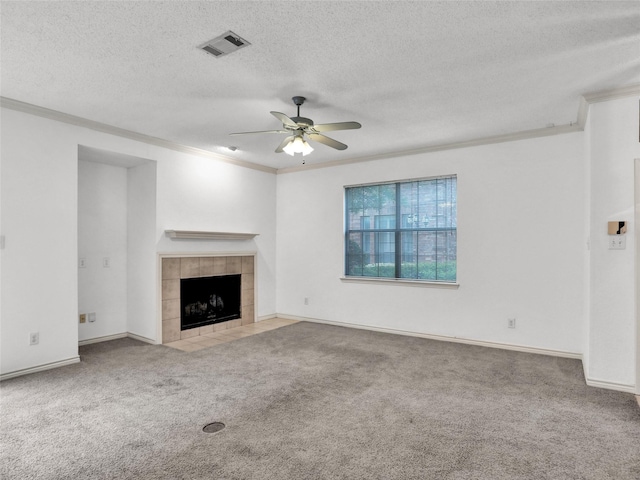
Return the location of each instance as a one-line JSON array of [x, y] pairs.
[[298, 145]]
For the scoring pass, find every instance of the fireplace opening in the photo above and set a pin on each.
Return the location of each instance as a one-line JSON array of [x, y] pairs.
[[208, 300]]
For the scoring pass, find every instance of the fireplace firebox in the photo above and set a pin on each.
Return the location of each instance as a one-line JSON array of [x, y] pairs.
[[209, 300]]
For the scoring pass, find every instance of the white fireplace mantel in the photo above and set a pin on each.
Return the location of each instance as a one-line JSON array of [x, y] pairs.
[[198, 235]]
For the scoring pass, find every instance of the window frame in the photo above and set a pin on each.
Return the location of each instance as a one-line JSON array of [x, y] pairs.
[[399, 232]]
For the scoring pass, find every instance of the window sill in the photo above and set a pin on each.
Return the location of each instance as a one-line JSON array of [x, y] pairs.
[[401, 281]]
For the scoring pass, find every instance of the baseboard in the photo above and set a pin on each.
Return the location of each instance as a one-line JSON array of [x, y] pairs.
[[444, 338], [116, 336], [267, 317], [140, 338], [620, 387], [40, 368], [106, 338]]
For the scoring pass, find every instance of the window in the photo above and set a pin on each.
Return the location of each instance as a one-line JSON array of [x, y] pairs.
[[402, 230]]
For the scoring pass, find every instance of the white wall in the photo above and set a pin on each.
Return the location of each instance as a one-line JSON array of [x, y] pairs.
[[195, 193], [40, 221], [102, 233], [614, 145], [521, 246], [39, 262], [141, 250]]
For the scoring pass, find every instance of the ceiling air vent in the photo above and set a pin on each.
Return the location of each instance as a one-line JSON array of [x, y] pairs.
[[225, 44]]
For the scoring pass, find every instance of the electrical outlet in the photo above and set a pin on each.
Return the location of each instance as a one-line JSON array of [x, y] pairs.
[[106, 262], [82, 263], [617, 242], [83, 318], [511, 323], [34, 338], [306, 300]]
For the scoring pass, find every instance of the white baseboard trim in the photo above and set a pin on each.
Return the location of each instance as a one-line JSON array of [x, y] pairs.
[[267, 317], [40, 368], [620, 387], [106, 338], [116, 336], [140, 338], [444, 338]]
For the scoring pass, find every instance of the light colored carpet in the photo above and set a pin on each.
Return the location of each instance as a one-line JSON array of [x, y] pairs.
[[311, 401]]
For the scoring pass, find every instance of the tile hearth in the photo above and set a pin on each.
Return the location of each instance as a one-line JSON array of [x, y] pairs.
[[200, 342]]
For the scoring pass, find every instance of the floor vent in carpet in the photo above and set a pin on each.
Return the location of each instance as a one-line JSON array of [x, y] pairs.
[[213, 427]]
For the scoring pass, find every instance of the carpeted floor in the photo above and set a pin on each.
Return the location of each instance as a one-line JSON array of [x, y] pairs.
[[311, 401]]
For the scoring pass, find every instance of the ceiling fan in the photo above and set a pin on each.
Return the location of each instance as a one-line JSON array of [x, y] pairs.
[[297, 127]]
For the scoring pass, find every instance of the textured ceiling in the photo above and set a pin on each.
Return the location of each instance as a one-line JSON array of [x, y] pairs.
[[414, 74]]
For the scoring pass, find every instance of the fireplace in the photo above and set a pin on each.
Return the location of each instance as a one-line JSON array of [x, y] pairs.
[[209, 300], [178, 269]]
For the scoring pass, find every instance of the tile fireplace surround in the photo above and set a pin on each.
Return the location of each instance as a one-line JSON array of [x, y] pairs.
[[175, 268]]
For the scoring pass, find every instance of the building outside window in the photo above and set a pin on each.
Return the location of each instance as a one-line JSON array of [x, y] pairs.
[[405, 230]]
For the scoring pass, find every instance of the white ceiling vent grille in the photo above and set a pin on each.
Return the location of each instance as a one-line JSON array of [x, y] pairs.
[[225, 44]]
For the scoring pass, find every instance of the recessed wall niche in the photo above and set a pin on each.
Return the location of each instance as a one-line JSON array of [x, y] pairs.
[[176, 268], [116, 244]]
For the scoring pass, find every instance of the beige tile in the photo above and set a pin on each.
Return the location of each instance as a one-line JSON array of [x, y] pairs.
[[215, 335], [194, 339], [170, 330], [247, 281], [171, 289], [219, 327], [192, 332], [246, 333], [264, 326], [189, 267], [210, 342], [206, 329], [207, 265], [248, 315], [247, 264], [170, 268], [251, 328], [219, 265], [270, 321], [284, 321], [247, 297], [170, 309], [229, 333], [234, 323], [221, 338], [234, 265]]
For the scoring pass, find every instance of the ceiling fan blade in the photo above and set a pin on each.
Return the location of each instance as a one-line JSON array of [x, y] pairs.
[[284, 143], [263, 131], [328, 127], [327, 141], [284, 119]]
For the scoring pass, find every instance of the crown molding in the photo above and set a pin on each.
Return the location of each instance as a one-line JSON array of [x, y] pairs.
[[583, 110], [121, 132], [508, 137], [612, 94]]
